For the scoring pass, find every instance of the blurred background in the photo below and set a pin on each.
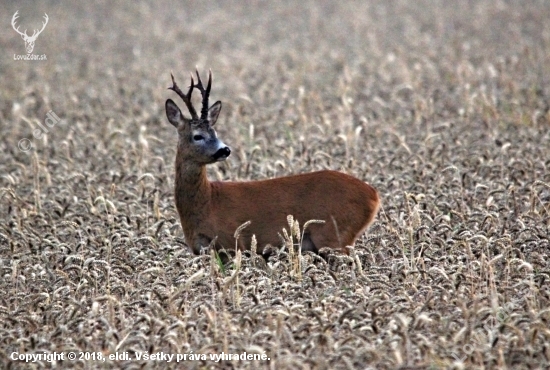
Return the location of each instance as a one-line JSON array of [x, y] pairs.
[[260, 50]]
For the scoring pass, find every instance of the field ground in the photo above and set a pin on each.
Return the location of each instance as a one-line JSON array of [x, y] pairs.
[[443, 108]]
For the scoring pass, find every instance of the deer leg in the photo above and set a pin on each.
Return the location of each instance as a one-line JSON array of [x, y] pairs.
[[308, 245], [200, 244]]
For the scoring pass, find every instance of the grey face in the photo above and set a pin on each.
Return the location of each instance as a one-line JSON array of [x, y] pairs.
[[198, 141]]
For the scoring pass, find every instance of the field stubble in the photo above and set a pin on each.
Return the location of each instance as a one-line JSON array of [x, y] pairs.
[[444, 110]]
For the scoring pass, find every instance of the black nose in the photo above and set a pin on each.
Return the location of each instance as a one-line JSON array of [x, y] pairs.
[[222, 153]]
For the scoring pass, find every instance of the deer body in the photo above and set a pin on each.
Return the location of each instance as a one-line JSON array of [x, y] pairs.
[[214, 210]]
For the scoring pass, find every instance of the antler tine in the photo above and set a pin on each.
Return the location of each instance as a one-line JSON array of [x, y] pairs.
[[185, 97], [205, 93], [43, 24], [209, 81], [13, 22]]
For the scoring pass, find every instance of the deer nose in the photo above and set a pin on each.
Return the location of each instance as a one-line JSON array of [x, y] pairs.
[[222, 153]]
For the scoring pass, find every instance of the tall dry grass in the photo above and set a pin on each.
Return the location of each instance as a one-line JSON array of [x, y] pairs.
[[443, 107]]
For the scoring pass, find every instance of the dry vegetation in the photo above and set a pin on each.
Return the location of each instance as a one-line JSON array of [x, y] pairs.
[[443, 108]]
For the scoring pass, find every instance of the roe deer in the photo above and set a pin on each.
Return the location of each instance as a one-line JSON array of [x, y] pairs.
[[214, 210]]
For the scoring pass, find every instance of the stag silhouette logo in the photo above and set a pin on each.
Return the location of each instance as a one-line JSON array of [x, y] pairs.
[[29, 40]]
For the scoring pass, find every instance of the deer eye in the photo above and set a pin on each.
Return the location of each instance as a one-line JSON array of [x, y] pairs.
[[198, 137]]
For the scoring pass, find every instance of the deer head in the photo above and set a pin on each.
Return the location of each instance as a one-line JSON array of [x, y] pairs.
[[198, 142], [29, 40]]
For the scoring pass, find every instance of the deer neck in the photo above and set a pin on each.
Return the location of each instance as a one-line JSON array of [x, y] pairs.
[[193, 193]]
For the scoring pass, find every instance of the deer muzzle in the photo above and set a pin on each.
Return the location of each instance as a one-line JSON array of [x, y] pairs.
[[222, 154]]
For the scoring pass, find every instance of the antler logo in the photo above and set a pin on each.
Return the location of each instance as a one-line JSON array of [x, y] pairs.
[[29, 40]]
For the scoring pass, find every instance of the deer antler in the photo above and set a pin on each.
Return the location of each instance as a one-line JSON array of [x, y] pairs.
[[204, 93], [185, 97], [35, 34], [24, 34], [14, 18]]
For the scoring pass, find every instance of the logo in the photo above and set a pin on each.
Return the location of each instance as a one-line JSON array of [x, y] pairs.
[[29, 40]]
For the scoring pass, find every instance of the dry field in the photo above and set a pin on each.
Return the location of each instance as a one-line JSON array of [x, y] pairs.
[[442, 106]]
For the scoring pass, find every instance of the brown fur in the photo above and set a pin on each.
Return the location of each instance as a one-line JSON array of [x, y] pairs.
[[216, 209]]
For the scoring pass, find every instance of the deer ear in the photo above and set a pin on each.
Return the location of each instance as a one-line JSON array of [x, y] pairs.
[[214, 112], [175, 117]]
